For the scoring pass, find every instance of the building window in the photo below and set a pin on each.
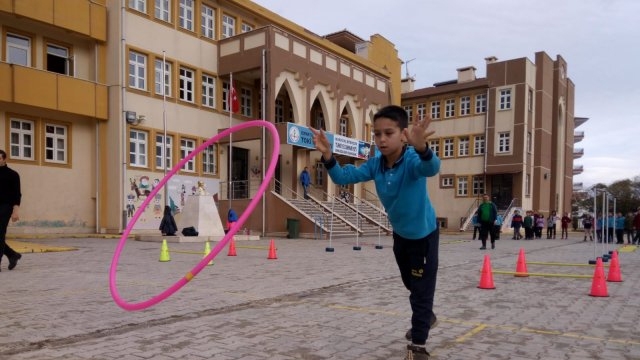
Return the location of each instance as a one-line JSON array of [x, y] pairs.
[[162, 78], [279, 115], [187, 78], [58, 59], [465, 105], [434, 145], [448, 148], [529, 141], [504, 142], [186, 14], [478, 185], [225, 97], [463, 146], [343, 126], [319, 180], [186, 147], [447, 182], [228, 26], [245, 27], [435, 109], [138, 148], [481, 103], [505, 99], [208, 22], [527, 185], [208, 91], [21, 137], [245, 101], [530, 100], [210, 160], [137, 70], [138, 5], [478, 145], [163, 10], [55, 143], [450, 108], [18, 50], [421, 111], [462, 188], [409, 110], [166, 154]]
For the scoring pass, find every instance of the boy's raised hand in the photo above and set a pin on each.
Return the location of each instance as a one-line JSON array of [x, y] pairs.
[[419, 133], [321, 142]]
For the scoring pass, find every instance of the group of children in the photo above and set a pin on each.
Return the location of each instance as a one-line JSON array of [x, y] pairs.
[[533, 224]]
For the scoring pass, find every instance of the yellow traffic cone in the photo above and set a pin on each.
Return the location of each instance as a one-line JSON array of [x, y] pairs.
[[164, 252], [207, 250]]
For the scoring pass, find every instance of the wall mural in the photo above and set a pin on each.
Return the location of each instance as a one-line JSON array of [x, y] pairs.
[[178, 190]]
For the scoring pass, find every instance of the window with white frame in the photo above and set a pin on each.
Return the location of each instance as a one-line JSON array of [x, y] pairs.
[[421, 111], [138, 5], [447, 181], [208, 91], [450, 108], [409, 110], [18, 49], [55, 143], [504, 142], [279, 115], [481, 103], [164, 146], [185, 15], [434, 145], [478, 185], [462, 188], [163, 10], [465, 105], [58, 58], [245, 101], [138, 148], [137, 70], [228, 26], [208, 22], [435, 109], [225, 96], [245, 27], [527, 185], [529, 142], [21, 135], [187, 79], [186, 147], [463, 146], [505, 99], [530, 100], [210, 160], [162, 77], [448, 148], [343, 126], [319, 180], [478, 145]]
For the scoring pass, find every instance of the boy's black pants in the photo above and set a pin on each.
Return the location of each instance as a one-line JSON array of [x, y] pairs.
[[418, 263]]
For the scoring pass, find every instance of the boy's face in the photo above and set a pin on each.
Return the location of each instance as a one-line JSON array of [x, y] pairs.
[[388, 136]]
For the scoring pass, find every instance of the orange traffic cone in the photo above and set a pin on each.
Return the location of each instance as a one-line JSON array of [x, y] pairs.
[[486, 278], [232, 248], [272, 251], [598, 285], [521, 265], [614, 268]]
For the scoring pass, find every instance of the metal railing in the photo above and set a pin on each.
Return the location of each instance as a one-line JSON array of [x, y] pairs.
[[466, 221]]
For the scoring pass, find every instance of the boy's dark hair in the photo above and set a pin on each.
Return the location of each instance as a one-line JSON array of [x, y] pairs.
[[3, 154], [395, 113]]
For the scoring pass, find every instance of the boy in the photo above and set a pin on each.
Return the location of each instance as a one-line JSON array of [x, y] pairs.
[[400, 173]]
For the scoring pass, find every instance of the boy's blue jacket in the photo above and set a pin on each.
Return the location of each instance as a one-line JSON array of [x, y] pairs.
[[402, 189]]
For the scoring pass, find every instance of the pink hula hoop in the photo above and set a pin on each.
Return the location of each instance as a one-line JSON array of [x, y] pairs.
[[214, 252]]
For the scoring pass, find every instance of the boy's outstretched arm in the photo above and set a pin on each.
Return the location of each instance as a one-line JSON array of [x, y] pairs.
[[419, 133], [322, 143]]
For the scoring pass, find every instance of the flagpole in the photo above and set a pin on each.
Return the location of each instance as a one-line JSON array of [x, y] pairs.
[[230, 108], [164, 123]]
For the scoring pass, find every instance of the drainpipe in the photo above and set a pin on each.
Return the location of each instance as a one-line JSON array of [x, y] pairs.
[[486, 141], [264, 139], [123, 132]]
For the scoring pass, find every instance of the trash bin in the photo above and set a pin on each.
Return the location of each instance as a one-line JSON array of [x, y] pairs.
[[293, 227]]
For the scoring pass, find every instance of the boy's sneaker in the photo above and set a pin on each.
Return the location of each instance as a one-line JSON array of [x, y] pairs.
[[433, 322], [416, 353]]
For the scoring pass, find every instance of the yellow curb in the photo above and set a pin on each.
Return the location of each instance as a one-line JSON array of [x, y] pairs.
[[27, 247]]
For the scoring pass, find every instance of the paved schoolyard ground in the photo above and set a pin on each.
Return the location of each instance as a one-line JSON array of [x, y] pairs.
[[312, 304]]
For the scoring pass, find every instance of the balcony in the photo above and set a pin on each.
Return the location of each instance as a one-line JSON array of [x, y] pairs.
[[579, 121], [577, 170], [578, 186], [53, 91], [578, 136], [578, 153]]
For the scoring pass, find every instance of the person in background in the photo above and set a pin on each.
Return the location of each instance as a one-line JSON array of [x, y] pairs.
[[619, 224], [305, 180], [487, 213], [476, 226], [539, 221], [564, 226], [497, 227], [232, 217], [636, 226], [628, 227], [551, 225], [168, 225], [587, 224], [516, 224], [529, 224], [611, 226], [10, 197]]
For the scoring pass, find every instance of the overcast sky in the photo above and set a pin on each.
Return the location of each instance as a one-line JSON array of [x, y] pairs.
[[599, 39]]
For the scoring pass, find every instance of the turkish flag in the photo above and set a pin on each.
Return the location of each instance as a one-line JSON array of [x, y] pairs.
[[235, 104]]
